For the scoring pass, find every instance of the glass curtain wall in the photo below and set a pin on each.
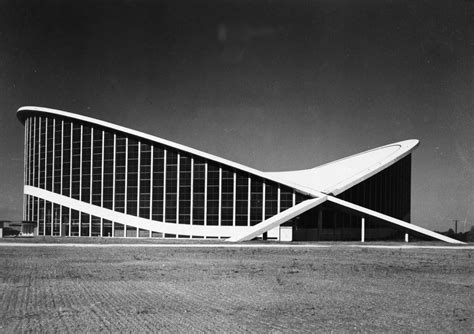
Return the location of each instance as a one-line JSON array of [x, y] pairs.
[[387, 192], [117, 171]]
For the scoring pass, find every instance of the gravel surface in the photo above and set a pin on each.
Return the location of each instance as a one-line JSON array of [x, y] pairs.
[[150, 289]]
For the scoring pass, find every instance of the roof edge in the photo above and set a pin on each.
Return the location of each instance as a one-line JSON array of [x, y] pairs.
[[23, 111], [406, 148]]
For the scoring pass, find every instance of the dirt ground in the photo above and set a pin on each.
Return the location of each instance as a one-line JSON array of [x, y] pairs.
[[145, 289]]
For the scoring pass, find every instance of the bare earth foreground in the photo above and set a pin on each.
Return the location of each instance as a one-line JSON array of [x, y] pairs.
[[338, 288]]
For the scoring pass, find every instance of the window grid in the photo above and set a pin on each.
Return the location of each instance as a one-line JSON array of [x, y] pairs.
[[145, 180], [171, 186], [158, 182], [184, 199], [199, 189], [132, 177]]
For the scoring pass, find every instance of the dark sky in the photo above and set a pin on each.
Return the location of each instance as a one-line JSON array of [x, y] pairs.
[[276, 85]]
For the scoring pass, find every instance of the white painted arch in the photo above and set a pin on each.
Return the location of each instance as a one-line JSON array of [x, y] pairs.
[[319, 182], [129, 220]]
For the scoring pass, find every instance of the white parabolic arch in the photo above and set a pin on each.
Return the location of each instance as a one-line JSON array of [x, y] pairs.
[[319, 182]]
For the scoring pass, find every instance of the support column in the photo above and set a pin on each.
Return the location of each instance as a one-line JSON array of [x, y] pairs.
[[264, 195], [205, 193], [320, 223], [61, 181], [53, 172], [150, 234], [138, 184], [126, 177], [45, 168], [80, 178], [25, 143], [90, 180], [34, 154], [164, 187], [191, 203], [113, 182], [151, 183], [249, 197], [220, 197], [362, 230], [25, 169], [234, 198], [278, 210], [70, 179], [178, 163], [102, 187], [61, 220]]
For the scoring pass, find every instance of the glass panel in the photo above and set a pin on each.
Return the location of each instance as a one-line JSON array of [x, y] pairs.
[[227, 196], [57, 156], [41, 217], [271, 200], [66, 158], [30, 217], [85, 224], [198, 192], [36, 150], [48, 217], [120, 156], [286, 198], [108, 170], [76, 160], [145, 162], [241, 201], [86, 165], [49, 155], [97, 168], [171, 179], [30, 151], [118, 230], [158, 169], [35, 209], [65, 221], [184, 190], [106, 228], [156, 235], [212, 195], [256, 197], [74, 223], [300, 198], [131, 232], [132, 177], [42, 157], [95, 223]]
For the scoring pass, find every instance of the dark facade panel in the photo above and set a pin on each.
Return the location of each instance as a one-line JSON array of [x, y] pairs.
[[199, 191], [387, 192]]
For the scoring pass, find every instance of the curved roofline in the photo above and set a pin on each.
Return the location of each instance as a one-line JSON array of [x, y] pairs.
[[284, 178], [22, 111], [406, 147]]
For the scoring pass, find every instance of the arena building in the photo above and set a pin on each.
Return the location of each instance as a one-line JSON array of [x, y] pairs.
[[89, 178]]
